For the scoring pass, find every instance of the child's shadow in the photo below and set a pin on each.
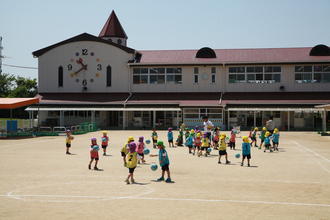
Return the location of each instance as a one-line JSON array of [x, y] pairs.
[[99, 169], [142, 184], [107, 155], [253, 166], [156, 181], [71, 154]]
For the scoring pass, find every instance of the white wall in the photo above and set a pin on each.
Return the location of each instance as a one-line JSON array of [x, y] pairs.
[[65, 55]]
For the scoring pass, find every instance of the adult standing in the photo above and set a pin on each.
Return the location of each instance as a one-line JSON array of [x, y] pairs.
[[208, 126], [270, 125]]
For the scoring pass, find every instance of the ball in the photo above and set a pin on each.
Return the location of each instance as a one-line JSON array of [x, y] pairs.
[[148, 141], [209, 150], [104, 139], [237, 155], [153, 167], [146, 151], [71, 137]]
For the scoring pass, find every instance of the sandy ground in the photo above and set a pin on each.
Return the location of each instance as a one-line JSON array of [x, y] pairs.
[[39, 181]]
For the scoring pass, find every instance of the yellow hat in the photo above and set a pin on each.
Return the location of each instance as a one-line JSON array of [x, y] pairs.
[[104, 132], [267, 134], [264, 129], [256, 129], [276, 130], [246, 139], [130, 138], [192, 131], [198, 135]]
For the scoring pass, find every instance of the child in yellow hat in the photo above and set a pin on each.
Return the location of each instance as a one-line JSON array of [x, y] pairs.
[[267, 142], [124, 151], [246, 150], [222, 148]]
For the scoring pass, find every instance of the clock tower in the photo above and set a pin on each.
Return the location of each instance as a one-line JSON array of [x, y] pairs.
[[113, 31]]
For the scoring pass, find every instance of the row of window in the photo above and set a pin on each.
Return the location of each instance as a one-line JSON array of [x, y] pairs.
[[239, 74], [312, 74], [200, 112], [255, 74], [157, 75]]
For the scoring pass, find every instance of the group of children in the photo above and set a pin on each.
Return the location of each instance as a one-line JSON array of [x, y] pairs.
[[265, 138], [133, 153]]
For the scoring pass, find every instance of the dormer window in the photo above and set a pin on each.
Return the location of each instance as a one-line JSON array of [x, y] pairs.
[[320, 50], [205, 52]]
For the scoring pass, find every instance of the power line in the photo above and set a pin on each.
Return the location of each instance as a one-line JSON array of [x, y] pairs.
[[23, 67]]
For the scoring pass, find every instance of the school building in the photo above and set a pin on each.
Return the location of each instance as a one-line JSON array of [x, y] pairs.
[[100, 79]]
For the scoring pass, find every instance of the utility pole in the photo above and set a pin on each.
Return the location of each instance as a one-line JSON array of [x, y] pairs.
[[1, 54]]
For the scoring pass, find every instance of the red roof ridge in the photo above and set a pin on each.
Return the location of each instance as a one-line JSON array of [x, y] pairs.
[[270, 48], [112, 27]]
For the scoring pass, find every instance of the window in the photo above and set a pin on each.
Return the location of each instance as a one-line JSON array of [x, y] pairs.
[[174, 75], [196, 70], [200, 112], [119, 41], [109, 76], [140, 75], [213, 78], [213, 72], [60, 76], [255, 74], [312, 74], [157, 75], [196, 78]]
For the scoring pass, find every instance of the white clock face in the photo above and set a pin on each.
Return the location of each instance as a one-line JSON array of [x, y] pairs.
[[84, 67]]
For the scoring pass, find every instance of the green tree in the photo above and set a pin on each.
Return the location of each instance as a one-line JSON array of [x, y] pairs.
[[24, 88], [6, 84]]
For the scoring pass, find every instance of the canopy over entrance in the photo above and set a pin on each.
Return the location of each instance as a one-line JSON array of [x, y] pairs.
[[12, 103]]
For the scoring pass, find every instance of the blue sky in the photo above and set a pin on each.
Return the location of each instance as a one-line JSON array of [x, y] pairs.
[[27, 26]]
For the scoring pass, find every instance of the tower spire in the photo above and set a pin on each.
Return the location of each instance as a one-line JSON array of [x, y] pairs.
[[112, 30]]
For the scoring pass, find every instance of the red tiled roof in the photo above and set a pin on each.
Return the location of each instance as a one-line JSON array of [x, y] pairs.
[[113, 28], [231, 56]]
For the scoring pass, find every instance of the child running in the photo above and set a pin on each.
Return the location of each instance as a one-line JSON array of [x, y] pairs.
[[189, 142], [197, 143], [68, 140], [105, 140], [124, 151], [205, 145], [216, 137], [222, 149], [131, 159], [232, 140], [94, 152], [253, 136], [267, 142], [179, 140], [164, 162], [246, 150], [262, 136], [140, 149], [154, 137], [275, 138], [170, 137]]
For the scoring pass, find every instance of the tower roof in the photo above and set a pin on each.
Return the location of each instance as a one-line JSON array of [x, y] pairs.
[[113, 28]]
